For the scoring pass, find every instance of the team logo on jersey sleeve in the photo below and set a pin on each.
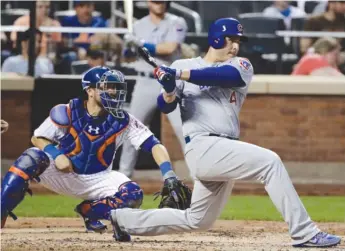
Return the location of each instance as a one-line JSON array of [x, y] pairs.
[[244, 63]]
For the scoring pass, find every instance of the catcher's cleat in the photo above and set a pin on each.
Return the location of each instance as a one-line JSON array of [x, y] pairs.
[[92, 226], [119, 235], [321, 240], [3, 221]]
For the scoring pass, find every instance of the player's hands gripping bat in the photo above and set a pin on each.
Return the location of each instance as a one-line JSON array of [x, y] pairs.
[[164, 78], [175, 194]]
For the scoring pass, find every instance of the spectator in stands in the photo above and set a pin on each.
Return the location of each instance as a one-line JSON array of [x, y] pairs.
[[323, 61], [19, 64], [283, 9], [42, 19], [82, 41], [95, 58], [332, 20]]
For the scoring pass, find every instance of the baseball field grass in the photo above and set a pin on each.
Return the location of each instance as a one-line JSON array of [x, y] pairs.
[[322, 209]]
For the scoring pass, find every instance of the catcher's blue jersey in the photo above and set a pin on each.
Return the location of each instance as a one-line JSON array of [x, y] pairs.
[[90, 141]]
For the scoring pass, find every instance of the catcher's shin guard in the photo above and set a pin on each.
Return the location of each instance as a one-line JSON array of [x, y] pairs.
[[94, 210], [32, 163]]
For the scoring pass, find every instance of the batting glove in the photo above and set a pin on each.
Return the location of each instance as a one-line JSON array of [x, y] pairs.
[[166, 80], [131, 39], [176, 73]]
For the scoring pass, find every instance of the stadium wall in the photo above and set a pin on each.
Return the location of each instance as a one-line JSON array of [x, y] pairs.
[[301, 118]]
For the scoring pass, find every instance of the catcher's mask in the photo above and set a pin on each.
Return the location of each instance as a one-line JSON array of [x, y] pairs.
[[131, 194], [112, 89]]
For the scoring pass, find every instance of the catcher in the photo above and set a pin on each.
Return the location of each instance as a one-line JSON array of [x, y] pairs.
[[74, 150]]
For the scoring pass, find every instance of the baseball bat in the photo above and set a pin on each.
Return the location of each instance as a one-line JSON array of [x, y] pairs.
[[145, 54], [128, 4]]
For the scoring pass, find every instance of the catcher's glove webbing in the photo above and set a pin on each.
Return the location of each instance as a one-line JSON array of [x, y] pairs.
[[174, 194]]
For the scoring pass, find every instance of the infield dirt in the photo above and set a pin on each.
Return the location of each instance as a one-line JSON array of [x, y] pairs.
[[55, 234]]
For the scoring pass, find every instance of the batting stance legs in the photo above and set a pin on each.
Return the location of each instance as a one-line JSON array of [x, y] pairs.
[[215, 163], [143, 106]]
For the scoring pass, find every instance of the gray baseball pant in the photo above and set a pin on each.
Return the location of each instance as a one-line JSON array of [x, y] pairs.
[[215, 163]]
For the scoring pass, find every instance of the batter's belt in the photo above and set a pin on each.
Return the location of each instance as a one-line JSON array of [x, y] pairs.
[[187, 139]]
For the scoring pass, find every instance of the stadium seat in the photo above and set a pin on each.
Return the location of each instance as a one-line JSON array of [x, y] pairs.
[[8, 16], [296, 24], [256, 23], [212, 10], [81, 66], [259, 6], [309, 6]]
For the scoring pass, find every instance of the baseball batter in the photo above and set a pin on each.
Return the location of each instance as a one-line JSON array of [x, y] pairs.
[[210, 92], [88, 133], [162, 34]]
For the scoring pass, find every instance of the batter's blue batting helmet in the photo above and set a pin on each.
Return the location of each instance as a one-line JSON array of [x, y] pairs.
[[93, 76], [224, 27]]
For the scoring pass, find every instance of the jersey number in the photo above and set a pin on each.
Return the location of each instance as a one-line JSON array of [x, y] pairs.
[[233, 97]]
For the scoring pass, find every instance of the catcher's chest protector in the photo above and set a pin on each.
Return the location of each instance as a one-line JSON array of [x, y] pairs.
[[90, 142]]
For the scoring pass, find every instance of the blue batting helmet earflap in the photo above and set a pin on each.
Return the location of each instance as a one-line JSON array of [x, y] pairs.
[[131, 194], [93, 76], [224, 27]]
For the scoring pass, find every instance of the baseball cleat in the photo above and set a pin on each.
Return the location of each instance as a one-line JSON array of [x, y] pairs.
[[95, 226], [119, 234], [321, 240], [92, 226]]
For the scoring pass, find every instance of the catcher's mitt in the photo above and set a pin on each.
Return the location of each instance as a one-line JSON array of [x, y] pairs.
[[174, 194]]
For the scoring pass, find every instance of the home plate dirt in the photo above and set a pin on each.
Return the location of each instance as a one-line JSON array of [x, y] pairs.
[[55, 234]]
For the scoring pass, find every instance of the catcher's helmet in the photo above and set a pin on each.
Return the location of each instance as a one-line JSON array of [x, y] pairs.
[[112, 89], [111, 86], [93, 76], [224, 27]]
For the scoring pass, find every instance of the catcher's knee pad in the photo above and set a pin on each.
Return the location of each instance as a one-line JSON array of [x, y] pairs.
[[129, 195], [15, 184]]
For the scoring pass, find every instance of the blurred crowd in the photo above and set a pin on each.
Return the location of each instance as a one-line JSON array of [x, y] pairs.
[[73, 53]]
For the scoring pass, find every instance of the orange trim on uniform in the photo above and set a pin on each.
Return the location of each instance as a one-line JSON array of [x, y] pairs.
[[110, 140], [85, 208], [19, 172], [77, 148], [91, 137], [101, 150]]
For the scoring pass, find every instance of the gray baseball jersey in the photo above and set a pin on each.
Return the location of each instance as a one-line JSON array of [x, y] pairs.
[[216, 162], [171, 29], [212, 109]]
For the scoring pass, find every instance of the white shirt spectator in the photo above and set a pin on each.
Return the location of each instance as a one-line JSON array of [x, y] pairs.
[[19, 64], [293, 12]]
